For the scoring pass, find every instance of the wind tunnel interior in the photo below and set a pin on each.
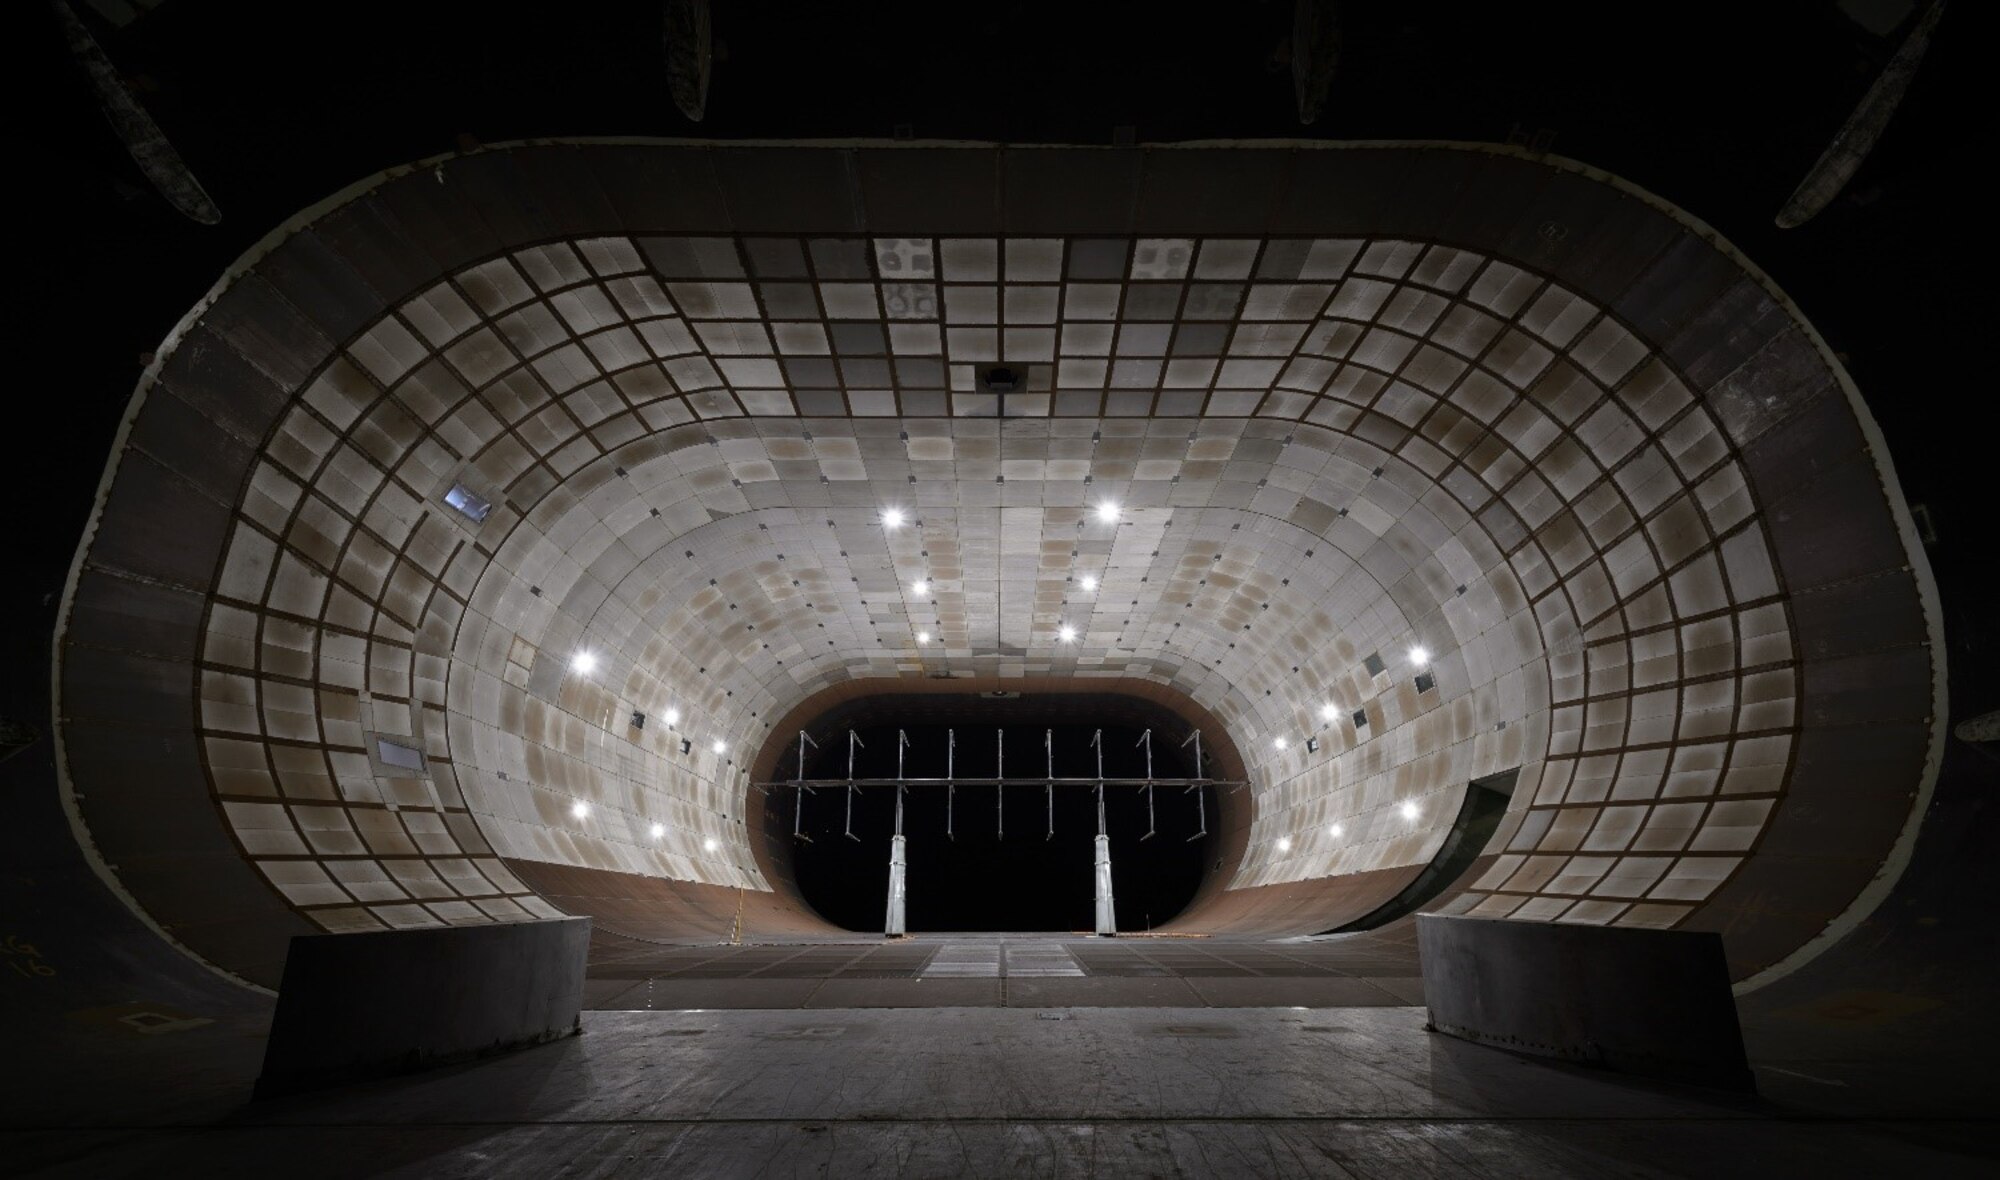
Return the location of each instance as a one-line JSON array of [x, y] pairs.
[[1451, 507]]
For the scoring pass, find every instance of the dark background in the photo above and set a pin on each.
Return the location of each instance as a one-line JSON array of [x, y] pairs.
[[979, 878], [1719, 107]]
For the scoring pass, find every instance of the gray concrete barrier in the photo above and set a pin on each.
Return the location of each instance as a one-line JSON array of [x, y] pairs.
[[1652, 1002], [359, 1006]]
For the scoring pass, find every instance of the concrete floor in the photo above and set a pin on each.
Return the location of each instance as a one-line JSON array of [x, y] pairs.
[[992, 1091], [1017, 971]]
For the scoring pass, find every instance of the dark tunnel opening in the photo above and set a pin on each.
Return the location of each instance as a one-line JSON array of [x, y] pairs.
[[988, 858]]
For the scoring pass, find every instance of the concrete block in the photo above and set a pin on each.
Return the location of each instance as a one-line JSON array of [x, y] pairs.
[[359, 1006], [1651, 1002]]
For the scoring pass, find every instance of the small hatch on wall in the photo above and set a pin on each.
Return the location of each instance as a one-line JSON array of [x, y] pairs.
[[1360, 718], [1426, 682], [396, 757], [1374, 663], [470, 504]]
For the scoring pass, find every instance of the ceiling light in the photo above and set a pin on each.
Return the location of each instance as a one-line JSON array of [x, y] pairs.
[[1066, 633], [892, 518], [1333, 830], [1328, 712], [1108, 512], [923, 637], [1280, 743], [920, 586], [659, 830], [672, 716], [709, 845], [1284, 844], [1419, 656], [719, 746], [1089, 582], [1409, 810], [579, 809], [583, 661]]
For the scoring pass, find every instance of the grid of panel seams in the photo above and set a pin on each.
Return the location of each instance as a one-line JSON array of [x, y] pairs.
[[1318, 450]]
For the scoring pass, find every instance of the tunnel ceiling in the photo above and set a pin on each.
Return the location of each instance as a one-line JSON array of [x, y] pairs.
[[1297, 410]]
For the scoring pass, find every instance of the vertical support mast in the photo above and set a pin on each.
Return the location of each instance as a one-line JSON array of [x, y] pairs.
[[1200, 800], [1049, 748], [1107, 916], [1000, 791], [1146, 740], [799, 793], [853, 740], [950, 785], [895, 926]]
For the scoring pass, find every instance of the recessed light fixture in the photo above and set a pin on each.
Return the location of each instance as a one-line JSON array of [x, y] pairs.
[[671, 716], [659, 830], [1284, 844], [579, 809], [1329, 712], [892, 518], [1088, 582], [1281, 743], [719, 746], [1108, 512], [1333, 830], [583, 661], [1419, 656], [1409, 810], [923, 637], [921, 586], [1066, 633], [710, 845]]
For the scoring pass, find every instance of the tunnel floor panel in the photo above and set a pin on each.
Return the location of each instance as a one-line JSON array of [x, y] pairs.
[[1019, 971]]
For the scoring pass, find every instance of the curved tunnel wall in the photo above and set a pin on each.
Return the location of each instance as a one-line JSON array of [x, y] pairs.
[[1347, 400]]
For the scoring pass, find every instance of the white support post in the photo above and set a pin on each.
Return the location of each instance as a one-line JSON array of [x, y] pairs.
[[1107, 912], [1107, 915], [895, 927]]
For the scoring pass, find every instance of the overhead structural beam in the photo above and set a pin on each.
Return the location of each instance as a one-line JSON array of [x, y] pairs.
[[690, 47], [143, 138], [1315, 52], [1851, 145]]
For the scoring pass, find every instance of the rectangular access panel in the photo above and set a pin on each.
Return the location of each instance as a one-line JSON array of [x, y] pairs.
[[1652, 1002], [358, 1006]]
